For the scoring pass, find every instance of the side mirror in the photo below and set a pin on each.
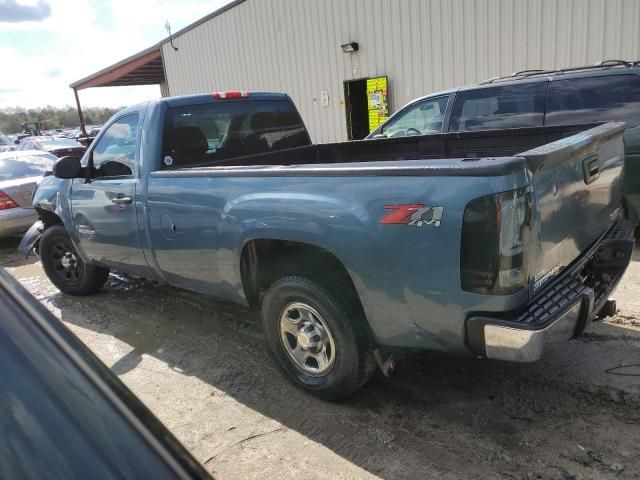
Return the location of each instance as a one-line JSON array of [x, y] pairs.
[[68, 167]]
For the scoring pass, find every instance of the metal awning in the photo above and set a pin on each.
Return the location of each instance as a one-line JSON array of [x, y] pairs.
[[143, 68]]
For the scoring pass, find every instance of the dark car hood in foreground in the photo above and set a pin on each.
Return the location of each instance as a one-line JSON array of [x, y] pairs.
[[64, 414]]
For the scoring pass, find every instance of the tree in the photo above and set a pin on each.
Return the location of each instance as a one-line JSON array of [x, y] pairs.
[[50, 117]]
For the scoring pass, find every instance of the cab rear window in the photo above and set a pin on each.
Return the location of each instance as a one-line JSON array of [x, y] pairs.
[[505, 106], [594, 99], [208, 133]]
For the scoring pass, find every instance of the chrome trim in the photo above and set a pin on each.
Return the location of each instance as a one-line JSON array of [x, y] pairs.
[[519, 345]]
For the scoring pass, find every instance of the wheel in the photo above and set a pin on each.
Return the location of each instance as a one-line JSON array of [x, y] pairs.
[[318, 336], [64, 267]]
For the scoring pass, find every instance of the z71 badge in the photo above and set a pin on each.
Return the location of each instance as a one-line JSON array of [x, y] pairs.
[[414, 214]]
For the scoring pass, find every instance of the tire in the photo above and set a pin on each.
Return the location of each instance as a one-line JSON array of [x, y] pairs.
[[339, 346], [63, 265]]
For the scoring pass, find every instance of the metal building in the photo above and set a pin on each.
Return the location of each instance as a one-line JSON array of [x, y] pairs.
[[322, 52]]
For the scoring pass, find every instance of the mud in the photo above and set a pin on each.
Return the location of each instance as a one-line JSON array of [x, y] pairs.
[[202, 368]]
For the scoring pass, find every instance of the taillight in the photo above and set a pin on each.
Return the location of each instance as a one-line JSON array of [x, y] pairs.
[[229, 95], [6, 202], [495, 235]]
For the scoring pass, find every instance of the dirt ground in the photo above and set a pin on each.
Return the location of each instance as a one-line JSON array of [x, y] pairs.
[[201, 367]]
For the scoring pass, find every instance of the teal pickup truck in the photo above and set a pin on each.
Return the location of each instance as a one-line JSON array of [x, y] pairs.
[[607, 91], [484, 243]]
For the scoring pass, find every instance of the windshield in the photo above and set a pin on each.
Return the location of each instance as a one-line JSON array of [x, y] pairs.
[[4, 140], [421, 118], [24, 167]]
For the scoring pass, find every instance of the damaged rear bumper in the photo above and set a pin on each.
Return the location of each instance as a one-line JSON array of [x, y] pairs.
[[564, 307]]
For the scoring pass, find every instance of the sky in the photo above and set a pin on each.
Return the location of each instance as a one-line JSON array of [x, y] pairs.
[[47, 44]]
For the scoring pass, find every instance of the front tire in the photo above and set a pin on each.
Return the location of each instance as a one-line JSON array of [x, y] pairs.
[[64, 267], [318, 336]]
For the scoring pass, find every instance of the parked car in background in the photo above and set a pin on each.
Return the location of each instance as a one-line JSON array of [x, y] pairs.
[[490, 244], [93, 131], [70, 133], [609, 91], [18, 137], [60, 147], [19, 174], [6, 144]]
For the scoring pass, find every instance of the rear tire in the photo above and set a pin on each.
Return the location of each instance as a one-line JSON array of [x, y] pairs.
[[318, 336], [64, 267]]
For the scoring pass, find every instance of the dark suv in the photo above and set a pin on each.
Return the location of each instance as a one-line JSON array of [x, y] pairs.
[[607, 91]]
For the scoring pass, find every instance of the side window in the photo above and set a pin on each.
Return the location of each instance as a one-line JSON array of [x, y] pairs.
[[214, 132], [421, 118], [504, 106], [594, 99], [115, 153]]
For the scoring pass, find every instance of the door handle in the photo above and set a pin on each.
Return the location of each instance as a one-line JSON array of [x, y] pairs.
[[121, 200], [591, 168]]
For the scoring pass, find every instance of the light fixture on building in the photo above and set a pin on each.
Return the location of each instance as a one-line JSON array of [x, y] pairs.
[[350, 47]]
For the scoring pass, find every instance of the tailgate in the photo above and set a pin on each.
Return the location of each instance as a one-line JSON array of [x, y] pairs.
[[577, 193]]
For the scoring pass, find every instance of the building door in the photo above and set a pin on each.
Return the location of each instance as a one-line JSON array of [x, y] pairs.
[[367, 105], [356, 106]]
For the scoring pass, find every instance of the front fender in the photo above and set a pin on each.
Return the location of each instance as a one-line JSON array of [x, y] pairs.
[[51, 195]]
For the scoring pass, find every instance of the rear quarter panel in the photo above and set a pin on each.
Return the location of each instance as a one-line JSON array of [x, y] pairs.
[[407, 277]]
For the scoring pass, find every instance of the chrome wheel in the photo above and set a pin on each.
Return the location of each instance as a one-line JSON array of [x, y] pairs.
[[307, 339]]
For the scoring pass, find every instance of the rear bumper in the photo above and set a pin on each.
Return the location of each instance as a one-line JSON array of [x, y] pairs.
[[562, 309]]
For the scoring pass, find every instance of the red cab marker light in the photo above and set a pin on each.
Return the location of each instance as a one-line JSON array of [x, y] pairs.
[[230, 95]]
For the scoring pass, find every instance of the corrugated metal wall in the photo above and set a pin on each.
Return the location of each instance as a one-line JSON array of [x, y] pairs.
[[421, 45]]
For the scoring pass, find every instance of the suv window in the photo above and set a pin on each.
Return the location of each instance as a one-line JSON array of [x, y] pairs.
[[594, 99], [115, 153], [206, 133], [421, 118], [504, 106]]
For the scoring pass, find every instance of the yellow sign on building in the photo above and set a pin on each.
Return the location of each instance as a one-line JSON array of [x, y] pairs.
[[378, 101]]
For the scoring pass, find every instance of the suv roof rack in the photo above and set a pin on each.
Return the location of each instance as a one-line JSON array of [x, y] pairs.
[[539, 71]]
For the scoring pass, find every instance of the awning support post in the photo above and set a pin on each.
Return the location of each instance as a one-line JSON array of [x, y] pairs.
[[82, 127]]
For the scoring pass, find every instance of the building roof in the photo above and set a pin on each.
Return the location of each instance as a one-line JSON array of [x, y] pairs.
[[142, 68]]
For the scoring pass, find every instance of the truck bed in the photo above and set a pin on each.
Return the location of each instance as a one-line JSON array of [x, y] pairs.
[[495, 143]]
